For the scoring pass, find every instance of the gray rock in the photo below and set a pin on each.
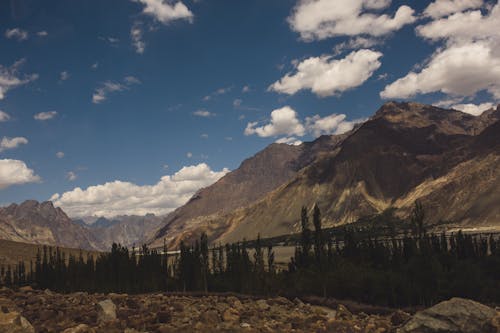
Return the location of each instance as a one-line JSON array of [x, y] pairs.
[[13, 322], [456, 315], [106, 311]]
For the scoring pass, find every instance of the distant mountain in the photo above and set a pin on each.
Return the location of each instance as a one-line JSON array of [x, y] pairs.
[[126, 230], [42, 223], [406, 151]]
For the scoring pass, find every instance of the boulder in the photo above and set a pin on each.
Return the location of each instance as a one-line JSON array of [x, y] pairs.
[[456, 315], [82, 328], [106, 311], [163, 317], [231, 315], [13, 322]]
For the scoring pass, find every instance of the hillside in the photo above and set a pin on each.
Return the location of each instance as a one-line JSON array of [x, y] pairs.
[[406, 151], [42, 223]]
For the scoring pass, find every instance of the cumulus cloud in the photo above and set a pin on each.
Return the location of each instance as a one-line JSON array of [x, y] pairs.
[[289, 141], [203, 113], [12, 143], [440, 8], [4, 116], [59, 154], [101, 93], [120, 197], [473, 109], [326, 76], [16, 33], [463, 26], [355, 43], [460, 70], [42, 33], [283, 121], [166, 11], [469, 61], [136, 35], [10, 78], [320, 19], [45, 115], [15, 172]]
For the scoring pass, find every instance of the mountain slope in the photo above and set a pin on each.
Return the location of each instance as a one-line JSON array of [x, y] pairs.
[[42, 223], [386, 162]]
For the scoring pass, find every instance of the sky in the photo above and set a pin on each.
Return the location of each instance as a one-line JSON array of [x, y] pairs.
[[130, 106]]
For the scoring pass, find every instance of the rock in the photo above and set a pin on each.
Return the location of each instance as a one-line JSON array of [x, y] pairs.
[[399, 318], [82, 328], [456, 315], [106, 311], [26, 289], [262, 305], [163, 317], [231, 315], [495, 322], [245, 325], [13, 322], [210, 317], [343, 313]]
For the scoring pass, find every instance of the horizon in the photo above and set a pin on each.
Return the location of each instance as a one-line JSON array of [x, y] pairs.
[[155, 105]]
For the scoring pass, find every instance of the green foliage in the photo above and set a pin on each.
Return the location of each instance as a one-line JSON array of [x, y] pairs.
[[417, 269]]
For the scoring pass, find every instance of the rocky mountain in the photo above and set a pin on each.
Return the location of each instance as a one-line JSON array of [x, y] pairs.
[[406, 151], [42, 223], [128, 230]]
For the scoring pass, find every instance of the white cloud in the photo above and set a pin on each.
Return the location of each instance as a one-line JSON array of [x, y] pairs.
[[64, 76], [94, 66], [71, 176], [166, 11], [203, 113], [326, 76], [189, 154], [245, 89], [204, 136], [458, 70], [59, 154], [237, 103], [469, 61], [136, 34], [289, 141], [355, 43], [119, 197], [101, 93], [45, 115], [220, 91], [463, 26], [4, 116], [320, 19], [15, 172], [283, 121], [42, 33], [473, 109], [16, 33], [440, 8], [10, 78], [11, 143]]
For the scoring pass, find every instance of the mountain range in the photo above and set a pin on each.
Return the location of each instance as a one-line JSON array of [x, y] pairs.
[[447, 159], [405, 152]]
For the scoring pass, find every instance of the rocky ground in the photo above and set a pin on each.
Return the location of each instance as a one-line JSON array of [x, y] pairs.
[[30, 311]]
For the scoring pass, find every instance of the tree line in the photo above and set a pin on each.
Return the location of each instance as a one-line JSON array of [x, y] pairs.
[[417, 269]]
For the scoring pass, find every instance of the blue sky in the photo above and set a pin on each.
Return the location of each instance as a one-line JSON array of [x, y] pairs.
[[114, 95]]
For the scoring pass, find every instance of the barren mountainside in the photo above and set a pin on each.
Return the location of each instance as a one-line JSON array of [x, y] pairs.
[[406, 151], [42, 223]]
